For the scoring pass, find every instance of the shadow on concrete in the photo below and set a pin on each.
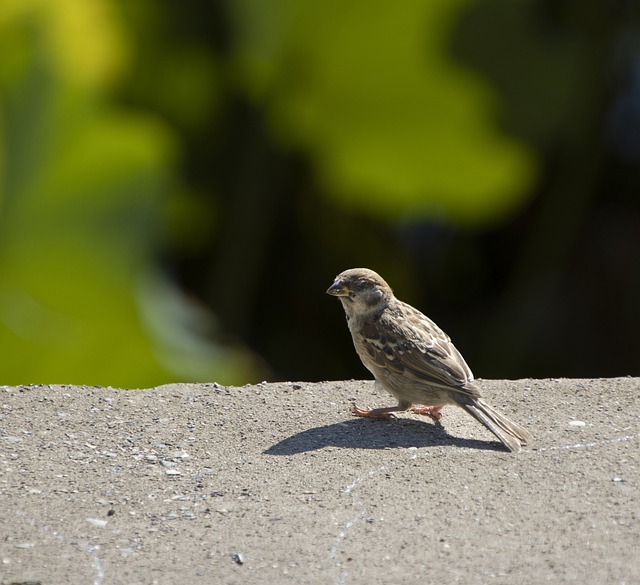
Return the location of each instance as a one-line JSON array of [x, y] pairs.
[[375, 434]]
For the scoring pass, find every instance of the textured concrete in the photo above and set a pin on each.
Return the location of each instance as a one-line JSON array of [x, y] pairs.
[[278, 483]]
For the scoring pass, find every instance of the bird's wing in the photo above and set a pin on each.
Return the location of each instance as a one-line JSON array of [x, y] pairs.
[[408, 343]]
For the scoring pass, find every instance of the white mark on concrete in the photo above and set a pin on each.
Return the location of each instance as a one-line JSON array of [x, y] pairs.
[[359, 505], [355, 503], [88, 549], [601, 443], [97, 565]]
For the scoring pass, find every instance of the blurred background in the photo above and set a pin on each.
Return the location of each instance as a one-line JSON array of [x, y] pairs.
[[181, 181]]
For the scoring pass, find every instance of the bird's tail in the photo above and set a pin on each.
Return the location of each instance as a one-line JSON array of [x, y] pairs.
[[512, 435]]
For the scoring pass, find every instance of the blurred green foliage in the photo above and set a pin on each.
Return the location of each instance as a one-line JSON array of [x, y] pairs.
[[86, 185], [181, 181], [394, 125]]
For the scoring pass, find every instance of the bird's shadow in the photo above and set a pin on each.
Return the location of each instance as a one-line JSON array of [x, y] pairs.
[[363, 433]]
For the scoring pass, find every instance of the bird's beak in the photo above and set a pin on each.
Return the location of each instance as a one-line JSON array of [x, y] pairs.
[[338, 289]]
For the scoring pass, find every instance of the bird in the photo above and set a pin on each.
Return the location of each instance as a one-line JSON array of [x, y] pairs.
[[412, 358]]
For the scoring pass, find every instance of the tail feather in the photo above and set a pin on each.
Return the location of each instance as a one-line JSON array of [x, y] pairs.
[[512, 435]]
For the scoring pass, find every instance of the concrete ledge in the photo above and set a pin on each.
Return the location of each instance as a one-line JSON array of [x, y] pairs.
[[278, 483]]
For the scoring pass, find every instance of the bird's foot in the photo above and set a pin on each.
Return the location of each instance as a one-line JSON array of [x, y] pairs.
[[383, 413], [431, 411]]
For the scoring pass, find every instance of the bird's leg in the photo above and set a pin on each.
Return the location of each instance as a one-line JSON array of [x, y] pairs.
[[384, 413], [432, 411]]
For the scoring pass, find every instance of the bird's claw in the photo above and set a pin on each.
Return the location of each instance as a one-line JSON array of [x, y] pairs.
[[430, 411], [381, 413]]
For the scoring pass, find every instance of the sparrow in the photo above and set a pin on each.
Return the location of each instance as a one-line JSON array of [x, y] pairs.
[[412, 358]]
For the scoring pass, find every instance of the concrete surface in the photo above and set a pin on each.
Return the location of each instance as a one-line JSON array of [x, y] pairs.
[[278, 483]]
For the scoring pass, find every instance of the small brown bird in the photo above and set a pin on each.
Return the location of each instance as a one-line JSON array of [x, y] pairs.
[[411, 357]]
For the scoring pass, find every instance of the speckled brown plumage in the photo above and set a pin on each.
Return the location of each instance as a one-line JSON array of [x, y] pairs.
[[411, 357]]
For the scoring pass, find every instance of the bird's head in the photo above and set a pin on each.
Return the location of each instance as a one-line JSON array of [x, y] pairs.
[[361, 291]]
